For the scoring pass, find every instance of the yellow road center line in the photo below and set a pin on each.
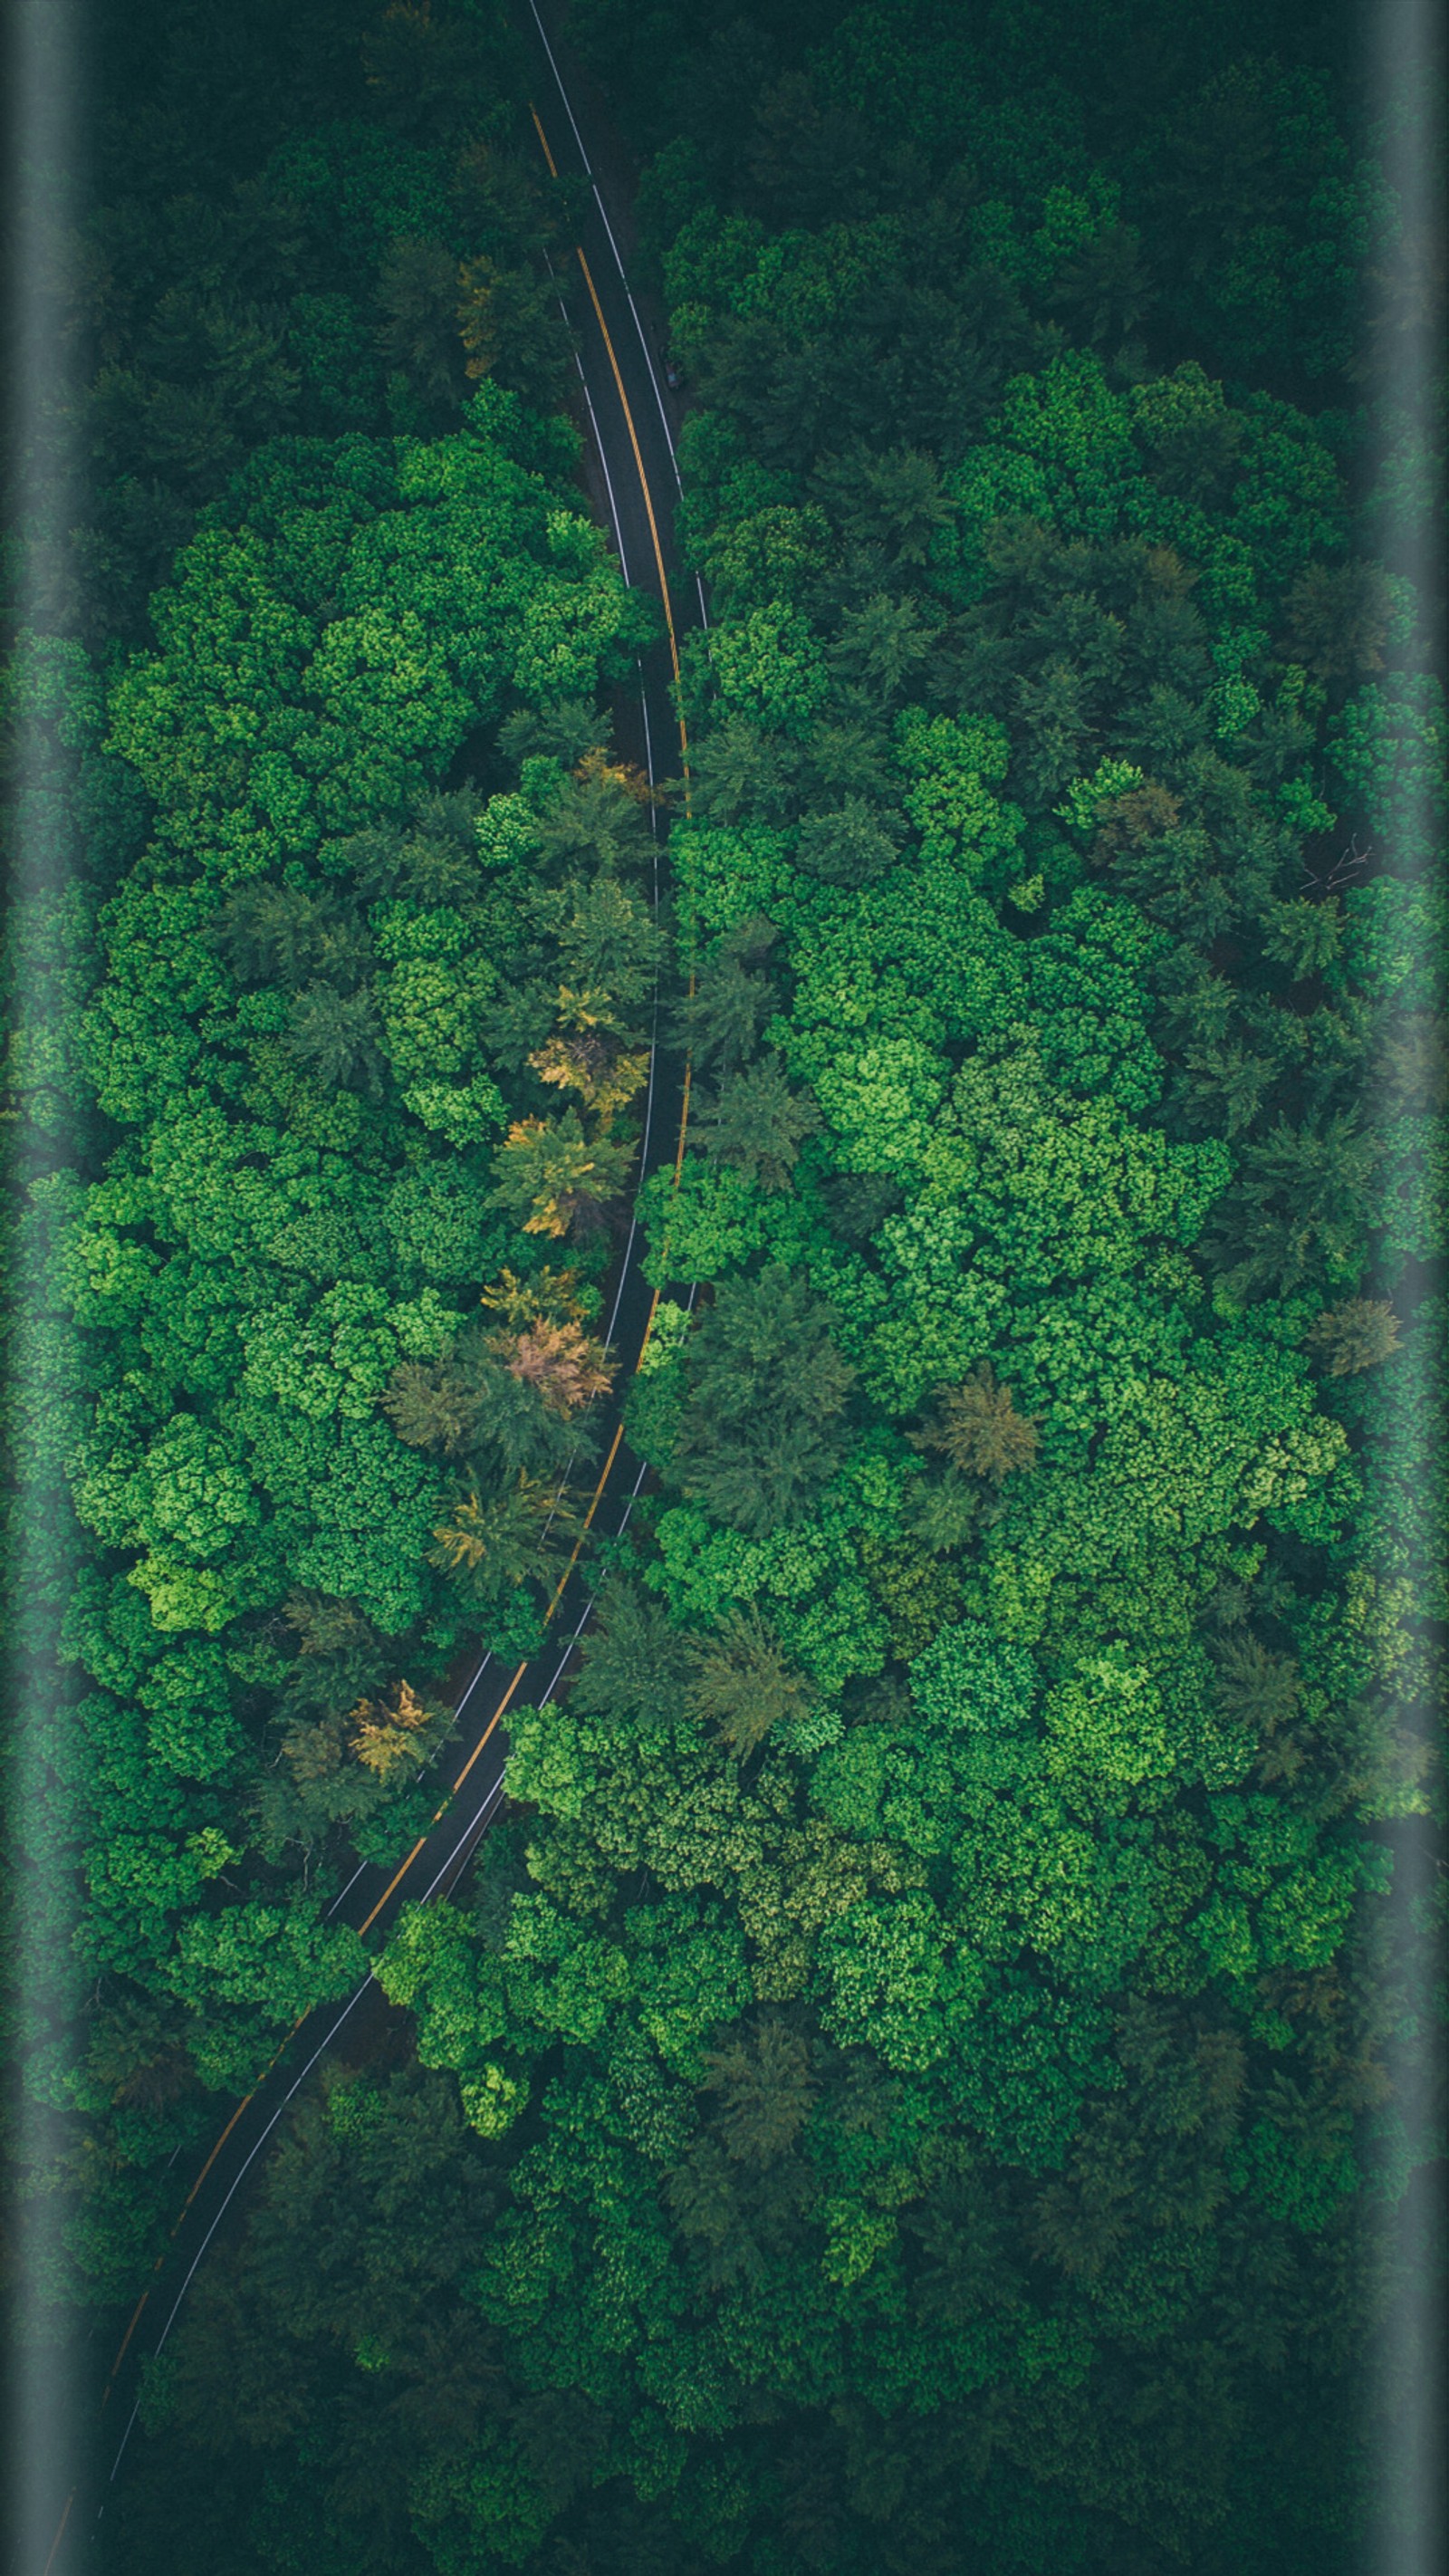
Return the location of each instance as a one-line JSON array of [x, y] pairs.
[[488, 1729], [638, 459], [543, 138], [195, 2188], [683, 1123], [648, 1328], [605, 1473], [125, 2341], [421, 1844], [60, 2535], [236, 2115], [396, 1880], [633, 441]]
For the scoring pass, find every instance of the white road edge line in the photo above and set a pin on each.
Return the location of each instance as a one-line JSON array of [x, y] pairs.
[[613, 245], [480, 1816]]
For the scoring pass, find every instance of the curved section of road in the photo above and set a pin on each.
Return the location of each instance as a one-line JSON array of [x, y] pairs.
[[629, 414]]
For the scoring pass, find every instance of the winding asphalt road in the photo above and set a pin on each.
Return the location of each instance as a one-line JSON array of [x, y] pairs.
[[627, 406]]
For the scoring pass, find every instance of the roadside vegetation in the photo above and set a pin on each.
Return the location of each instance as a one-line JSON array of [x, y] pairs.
[[917, 2079], [333, 970]]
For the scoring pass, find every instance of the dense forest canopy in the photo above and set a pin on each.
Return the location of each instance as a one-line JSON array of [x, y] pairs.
[[328, 972], [928, 2072]]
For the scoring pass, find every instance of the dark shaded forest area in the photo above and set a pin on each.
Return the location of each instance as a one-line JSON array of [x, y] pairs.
[[927, 2074]]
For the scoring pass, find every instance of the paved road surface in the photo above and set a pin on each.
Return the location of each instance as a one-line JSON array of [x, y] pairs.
[[629, 411]]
